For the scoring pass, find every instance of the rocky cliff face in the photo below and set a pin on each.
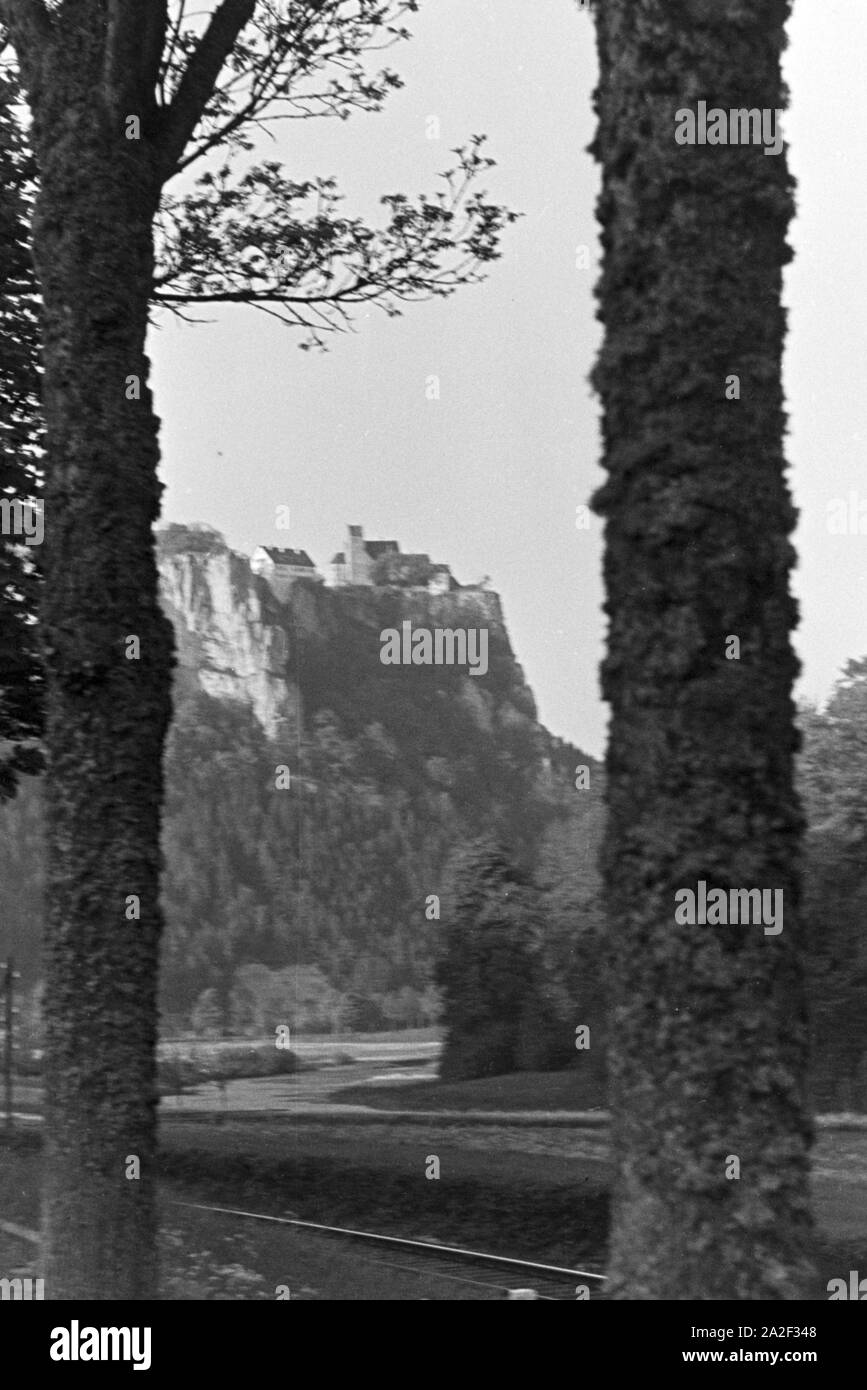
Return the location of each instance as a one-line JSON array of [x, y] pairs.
[[394, 768], [236, 642], [231, 641]]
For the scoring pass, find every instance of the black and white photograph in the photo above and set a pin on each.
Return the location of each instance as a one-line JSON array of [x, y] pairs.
[[433, 671]]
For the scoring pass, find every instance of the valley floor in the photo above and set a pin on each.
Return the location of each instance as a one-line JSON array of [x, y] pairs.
[[353, 1146]]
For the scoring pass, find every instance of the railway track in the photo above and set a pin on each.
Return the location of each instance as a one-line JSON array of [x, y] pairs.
[[504, 1276]]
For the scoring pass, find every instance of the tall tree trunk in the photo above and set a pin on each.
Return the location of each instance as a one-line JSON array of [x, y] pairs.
[[108, 703], [709, 1037]]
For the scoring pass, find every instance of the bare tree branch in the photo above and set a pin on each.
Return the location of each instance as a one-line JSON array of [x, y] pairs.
[[289, 43], [170, 47], [200, 77]]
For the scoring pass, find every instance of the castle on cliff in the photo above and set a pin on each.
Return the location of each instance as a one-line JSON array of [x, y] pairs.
[[361, 563]]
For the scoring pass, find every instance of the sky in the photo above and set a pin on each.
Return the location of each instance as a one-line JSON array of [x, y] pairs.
[[487, 478]]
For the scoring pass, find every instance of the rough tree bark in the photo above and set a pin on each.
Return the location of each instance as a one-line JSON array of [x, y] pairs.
[[709, 1035], [106, 713]]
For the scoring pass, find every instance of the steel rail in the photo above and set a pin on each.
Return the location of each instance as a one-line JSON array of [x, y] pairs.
[[396, 1240]]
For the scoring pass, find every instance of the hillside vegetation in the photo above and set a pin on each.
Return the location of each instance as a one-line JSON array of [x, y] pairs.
[[312, 906]]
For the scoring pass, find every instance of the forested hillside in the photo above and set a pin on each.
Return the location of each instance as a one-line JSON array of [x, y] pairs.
[[309, 903], [316, 892]]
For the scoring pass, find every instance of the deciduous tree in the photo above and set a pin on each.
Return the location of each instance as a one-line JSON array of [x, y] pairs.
[[124, 96]]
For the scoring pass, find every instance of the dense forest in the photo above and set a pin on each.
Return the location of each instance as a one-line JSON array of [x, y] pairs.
[[312, 903]]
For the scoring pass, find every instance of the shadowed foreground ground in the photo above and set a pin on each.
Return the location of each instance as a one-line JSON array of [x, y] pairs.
[[528, 1192]]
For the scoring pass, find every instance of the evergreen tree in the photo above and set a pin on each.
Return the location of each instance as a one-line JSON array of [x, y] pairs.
[[20, 439], [833, 781], [490, 969]]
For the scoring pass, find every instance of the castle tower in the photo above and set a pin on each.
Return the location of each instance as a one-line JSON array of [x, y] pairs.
[[357, 559]]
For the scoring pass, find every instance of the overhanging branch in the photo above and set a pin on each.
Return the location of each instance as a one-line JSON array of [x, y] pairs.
[[197, 84]]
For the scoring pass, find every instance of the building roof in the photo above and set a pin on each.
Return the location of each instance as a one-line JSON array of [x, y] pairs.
[[299, 558], [377, 548], [339, 558]]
